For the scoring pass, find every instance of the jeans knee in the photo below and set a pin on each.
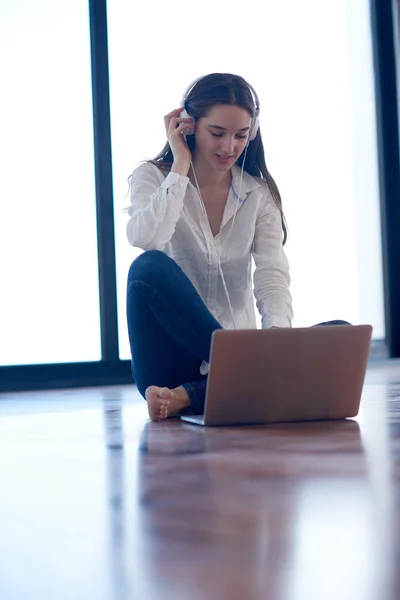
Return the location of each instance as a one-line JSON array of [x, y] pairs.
[[150, 263], [334, 322]]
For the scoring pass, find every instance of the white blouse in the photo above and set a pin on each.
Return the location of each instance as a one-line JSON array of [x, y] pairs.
[[166, 214]]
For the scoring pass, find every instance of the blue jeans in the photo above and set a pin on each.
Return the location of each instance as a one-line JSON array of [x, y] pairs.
[[169, 327]]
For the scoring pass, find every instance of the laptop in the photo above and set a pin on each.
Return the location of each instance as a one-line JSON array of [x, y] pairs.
[[278, 375]]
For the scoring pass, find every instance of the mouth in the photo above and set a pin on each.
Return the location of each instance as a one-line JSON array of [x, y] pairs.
[[224, 159]]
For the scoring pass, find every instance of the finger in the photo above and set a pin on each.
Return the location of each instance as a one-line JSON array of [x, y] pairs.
[[171, 125], [181, 127], [176, 111], [175, 114], [175, 121]]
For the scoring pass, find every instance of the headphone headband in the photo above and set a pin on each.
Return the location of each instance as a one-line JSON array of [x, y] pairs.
[[189, 89]]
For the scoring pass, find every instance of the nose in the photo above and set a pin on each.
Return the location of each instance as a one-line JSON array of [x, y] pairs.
[[229, 145]]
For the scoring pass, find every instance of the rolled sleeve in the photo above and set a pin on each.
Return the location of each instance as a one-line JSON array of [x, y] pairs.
[[155, 208]]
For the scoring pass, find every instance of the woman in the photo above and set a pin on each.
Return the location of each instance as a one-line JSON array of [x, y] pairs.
[[201, 210]]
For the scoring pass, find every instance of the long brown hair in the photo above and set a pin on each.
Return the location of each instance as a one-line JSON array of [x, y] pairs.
[[225, 88]]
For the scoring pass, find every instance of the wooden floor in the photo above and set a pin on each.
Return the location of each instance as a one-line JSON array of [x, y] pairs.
[[96, 503]]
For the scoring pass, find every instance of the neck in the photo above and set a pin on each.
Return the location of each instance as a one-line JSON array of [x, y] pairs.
[[207, 177]]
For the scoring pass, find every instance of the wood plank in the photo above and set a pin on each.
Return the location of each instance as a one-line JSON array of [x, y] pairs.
[[97, 502]]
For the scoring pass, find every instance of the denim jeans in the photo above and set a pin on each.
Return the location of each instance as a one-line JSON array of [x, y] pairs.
[[169, 327]]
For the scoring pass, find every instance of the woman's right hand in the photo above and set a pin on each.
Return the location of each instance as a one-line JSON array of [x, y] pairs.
[[175, 126]]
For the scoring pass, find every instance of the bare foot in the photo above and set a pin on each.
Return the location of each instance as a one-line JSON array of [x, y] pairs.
[[163, 402]]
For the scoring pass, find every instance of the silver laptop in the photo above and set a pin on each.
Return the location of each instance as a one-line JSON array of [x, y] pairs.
[[277, 375]]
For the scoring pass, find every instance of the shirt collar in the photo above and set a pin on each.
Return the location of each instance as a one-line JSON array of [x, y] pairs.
[[249, 183]]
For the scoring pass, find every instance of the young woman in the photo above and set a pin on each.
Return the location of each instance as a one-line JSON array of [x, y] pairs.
[[201, 210]]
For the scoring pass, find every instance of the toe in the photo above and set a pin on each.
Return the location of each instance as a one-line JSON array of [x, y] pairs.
[[153, 402], [164, 408]]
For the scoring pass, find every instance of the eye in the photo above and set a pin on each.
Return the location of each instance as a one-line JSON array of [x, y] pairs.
[[218, 135]]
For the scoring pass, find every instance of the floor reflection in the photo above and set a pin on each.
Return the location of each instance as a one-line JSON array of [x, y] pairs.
[[243, 509], [115, 466], [160, 439]]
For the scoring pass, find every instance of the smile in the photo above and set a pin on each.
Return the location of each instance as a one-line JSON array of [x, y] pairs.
[[224, 159]]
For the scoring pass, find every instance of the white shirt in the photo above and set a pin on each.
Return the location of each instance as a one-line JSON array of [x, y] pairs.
[[166, 214]]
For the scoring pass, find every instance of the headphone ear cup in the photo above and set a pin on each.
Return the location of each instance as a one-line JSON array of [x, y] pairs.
[[184, 115], [254, 129]]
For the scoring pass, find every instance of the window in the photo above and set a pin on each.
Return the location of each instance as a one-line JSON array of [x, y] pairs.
[[311, 64], [48, 243]]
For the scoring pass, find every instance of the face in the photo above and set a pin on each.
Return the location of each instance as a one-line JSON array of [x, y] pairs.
[[222, 136]]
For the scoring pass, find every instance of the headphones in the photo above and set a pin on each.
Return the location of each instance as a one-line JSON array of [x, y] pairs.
[[255, 123]]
